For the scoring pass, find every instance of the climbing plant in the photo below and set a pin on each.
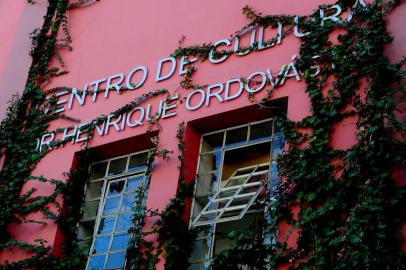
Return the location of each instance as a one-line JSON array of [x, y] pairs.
[[349, 208]]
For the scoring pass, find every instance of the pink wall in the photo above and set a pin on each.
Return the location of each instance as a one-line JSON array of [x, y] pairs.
[[109, 38], [17, 20]]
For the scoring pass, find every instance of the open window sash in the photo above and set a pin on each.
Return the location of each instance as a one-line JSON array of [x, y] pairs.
[[233, 200]]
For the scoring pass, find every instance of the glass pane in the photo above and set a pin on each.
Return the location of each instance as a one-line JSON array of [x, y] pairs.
[[96, 262], [199, 204], [261, 130], [222, 241], [245, 157], [209, 162], [138, 162], [128, 202], [115, 187], [86, 229], [115, 260], [235, 136], [101, 244], [106, 225], [90, 209], [124, 222], [198, 266], [277, 147], [212, 142], [117, 166], [93, 190], [98, 170], [111, 206], [274, 170], [84, 246], [134, 183], [200, 250], [120, 242], [206, 183]]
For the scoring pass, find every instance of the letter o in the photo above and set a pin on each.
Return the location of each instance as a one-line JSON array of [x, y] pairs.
[[130, 75], [202, 99], [259, 88]]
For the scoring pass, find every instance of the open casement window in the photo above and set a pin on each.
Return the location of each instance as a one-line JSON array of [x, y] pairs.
[[233, 200], [237, 175], [110, 196]]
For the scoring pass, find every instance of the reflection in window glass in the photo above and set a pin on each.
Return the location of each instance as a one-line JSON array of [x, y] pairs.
[[98, 170], [124, 222], [134, 183], [212, 142], [115, 187], [93, 190], [137, 162], [107, 231], [231, 186], [101, 244], [96, 262], [85, 230], [235, 136], [117, 166], [106, 225], [120, 242], [115, 260], [128, 202], [261, 130], [90, 209], [209, 162], [111, 206]]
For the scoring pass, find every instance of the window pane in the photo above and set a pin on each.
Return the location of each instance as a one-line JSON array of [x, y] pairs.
[[117, 166], [84, 246], [212, 142], [277, 147], [209, 162], [120, 242], [96, 262], [128, 203], [115, 260], [115, 187], [106, 225], [236, 159], [93, 190], [138, 162], [274, 170], [261, 130], [98, 170], [124, 222], [86, 229], [111, 206], [235, 136], [200, 250], [222, 241], [90, 209], [134, 183], [206, 184], [101, 244]]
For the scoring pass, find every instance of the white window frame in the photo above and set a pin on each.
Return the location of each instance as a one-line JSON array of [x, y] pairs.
[[270, 186], [106, 178]]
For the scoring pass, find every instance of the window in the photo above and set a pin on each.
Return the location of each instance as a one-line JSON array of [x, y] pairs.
[[108, 209], [236, 175]]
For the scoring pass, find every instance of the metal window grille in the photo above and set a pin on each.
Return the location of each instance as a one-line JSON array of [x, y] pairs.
[[108, 209], [233, 200], [221, 204]]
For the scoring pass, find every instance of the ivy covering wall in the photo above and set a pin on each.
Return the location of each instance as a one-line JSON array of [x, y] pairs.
[[349, 208]]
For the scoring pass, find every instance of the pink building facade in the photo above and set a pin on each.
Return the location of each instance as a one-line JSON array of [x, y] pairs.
[[129, 45]]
